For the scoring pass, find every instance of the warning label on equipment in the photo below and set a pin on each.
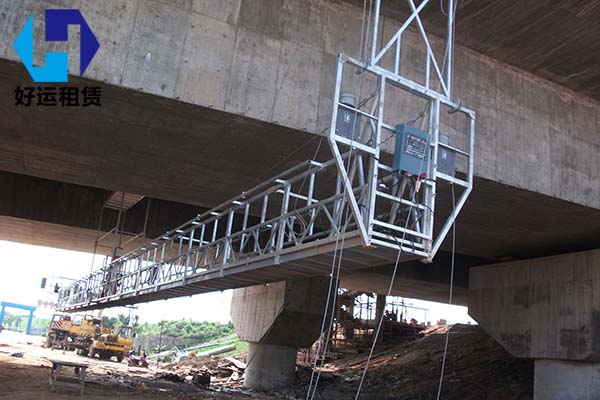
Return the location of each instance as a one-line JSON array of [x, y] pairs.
[[415, 146]]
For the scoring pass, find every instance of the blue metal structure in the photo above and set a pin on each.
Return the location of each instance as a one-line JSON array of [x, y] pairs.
[[31, 309]]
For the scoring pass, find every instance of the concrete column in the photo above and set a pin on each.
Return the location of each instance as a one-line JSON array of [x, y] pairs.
[[277, 319], [566, 380], [547, 309], [270, 366]]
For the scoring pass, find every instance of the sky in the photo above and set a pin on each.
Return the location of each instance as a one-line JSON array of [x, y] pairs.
[[24, 266]]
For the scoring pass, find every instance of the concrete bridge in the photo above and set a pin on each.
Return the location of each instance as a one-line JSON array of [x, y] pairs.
[[204, 99]]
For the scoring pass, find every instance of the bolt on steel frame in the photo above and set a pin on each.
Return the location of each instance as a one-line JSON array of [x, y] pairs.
[[292, 224]]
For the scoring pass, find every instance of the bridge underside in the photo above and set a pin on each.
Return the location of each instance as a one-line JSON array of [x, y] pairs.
[[190, 157], [524, 35]]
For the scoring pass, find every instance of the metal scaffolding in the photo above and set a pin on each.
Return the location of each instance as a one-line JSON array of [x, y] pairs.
[[292, 224]]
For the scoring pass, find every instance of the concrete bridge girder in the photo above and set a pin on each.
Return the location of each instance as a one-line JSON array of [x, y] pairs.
[[268, 66], [177, 124]]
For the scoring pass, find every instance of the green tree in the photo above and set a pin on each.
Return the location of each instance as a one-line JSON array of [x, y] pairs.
[[199, 331]]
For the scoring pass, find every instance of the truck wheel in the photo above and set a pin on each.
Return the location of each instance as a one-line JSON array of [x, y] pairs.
[[120, 357], [91, 352]]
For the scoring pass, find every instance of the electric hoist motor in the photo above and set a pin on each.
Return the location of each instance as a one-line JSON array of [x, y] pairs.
[[446, 162], [348, 121]]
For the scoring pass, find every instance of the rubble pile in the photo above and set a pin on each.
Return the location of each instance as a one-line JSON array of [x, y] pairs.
[[213, 371], [434, 330]]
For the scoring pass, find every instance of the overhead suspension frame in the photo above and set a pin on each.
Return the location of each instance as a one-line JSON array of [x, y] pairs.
[[373, 230], [292, 224]]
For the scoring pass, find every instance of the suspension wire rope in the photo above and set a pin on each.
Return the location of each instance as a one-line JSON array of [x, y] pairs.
[[325, 311], [335, 272], [421, 115], [390, 287], [393, 278], [333, 290], [452, 262], [380, 322], [439, 393]]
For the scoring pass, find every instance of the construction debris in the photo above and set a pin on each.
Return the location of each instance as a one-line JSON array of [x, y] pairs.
[[222, 372], [434, 330], [201, 380]]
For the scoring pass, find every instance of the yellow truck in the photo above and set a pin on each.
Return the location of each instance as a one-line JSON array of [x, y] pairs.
[[117, 343], [85, 334], [73, 332]]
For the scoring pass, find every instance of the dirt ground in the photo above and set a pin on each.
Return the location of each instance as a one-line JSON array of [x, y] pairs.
[[27, 377], [476, 368]]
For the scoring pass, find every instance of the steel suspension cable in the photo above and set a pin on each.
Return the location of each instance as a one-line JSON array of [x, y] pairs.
[[439, 393], [336, 271], [393, 278]]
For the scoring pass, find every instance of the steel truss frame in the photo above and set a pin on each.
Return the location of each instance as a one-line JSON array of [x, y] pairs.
[[292, 224]]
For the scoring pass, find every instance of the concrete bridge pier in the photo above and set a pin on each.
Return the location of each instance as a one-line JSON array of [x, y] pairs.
[[566, 380], [271, 366], [547, 309], [277, 319]]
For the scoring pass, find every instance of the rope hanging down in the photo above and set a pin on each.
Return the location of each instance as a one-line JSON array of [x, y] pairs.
[[335, 270], [391, 285], [439, 393]]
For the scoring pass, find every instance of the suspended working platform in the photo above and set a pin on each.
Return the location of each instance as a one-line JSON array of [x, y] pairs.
[[360, 209]]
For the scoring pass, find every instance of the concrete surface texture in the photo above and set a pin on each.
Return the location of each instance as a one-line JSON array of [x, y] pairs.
[[524, 34], [274, 63], [202, 100], [67, 215], [270, 367], [542, 308], [566, 380], [277, 319], [286, 313]]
